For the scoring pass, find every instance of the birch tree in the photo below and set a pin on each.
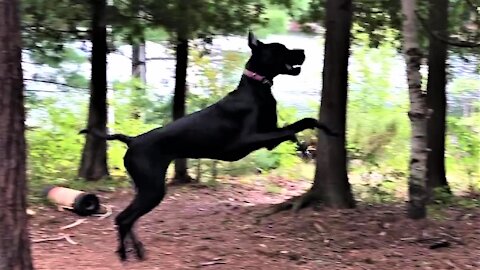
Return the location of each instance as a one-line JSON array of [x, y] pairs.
[[417, 114]]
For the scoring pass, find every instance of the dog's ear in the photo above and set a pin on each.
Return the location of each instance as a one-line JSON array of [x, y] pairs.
[[253, 42]]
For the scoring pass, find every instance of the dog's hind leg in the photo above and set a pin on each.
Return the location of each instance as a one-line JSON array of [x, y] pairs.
[[149, 178]]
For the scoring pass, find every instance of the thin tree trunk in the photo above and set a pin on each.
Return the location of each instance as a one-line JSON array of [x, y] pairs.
[[436, 96], [214, 170], [417, 181], [139, 67], [199, 170], [179, 98], [139, 71], [94, 157], [14, 237], [331, 179]]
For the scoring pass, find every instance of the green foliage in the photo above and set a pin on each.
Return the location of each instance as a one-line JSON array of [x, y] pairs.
[[464, 144], [377, 193], [49, 25], [463, 133], [441, 195], [156, 35], [444, 200], [277, 22], [54, 146], [204, 17], [378, 129], [273, 188], [128, 104]]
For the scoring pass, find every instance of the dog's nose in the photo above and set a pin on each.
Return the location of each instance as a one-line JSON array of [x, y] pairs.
[[300, 54]]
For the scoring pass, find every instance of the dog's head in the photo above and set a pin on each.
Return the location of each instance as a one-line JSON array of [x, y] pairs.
[[272, 59]]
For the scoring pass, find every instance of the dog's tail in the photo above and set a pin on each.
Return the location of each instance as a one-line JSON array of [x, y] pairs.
[[120, 137], [327, 130]]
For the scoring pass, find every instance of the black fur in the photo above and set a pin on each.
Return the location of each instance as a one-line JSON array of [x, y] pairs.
[[240, 123]]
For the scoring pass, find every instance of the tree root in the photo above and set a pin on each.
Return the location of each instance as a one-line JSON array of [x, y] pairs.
[[295, 204], [182, 180]]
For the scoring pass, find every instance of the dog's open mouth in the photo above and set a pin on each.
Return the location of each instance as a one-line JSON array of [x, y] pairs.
[[293, 69]]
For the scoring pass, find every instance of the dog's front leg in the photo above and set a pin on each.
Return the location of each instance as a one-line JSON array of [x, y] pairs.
[[296, 127], [300, 125], [309, 123], [292, 139], [252, 142]]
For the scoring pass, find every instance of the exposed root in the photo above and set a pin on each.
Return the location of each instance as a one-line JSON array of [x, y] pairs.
[[295, 204], [181, 180]]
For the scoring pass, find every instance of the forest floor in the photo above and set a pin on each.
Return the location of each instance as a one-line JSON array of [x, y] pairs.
[[199, 227]]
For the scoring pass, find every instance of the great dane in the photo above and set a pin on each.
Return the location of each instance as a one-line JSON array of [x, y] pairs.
[[243, 121]]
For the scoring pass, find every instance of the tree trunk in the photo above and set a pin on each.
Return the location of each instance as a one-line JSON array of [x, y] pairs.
[[199, 170], [417, 181], [331, 180], [94, 157], [139, 71], [139, 67], [214, 171], [181, 174], [436, 96], [14, 237]]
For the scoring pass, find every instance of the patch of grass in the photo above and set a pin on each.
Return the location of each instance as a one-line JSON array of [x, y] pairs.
[[436, 212], [468, 200], [273, 188], [247, 180], [377, 193], [468, 203], [212, 183], [299, 171], [444, 200]]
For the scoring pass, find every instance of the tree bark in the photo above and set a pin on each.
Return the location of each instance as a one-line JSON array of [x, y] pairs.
[[179, 98], [94, 157], [331, 180], [417, 181], [436, 96], [14, 237], [139, 64], [139, 71]]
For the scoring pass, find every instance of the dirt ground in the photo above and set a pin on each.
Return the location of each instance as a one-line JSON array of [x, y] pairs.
[[215, 228]]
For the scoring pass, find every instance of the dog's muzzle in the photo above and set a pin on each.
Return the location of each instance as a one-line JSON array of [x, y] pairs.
[[294, 60]]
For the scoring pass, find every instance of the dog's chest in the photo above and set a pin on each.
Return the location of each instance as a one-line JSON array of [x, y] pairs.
[[267, 114]]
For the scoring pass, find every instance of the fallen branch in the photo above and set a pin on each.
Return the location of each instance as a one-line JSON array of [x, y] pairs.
[[214, 262], [265, 236], [61, 237], [109, 212], [319, 227], [67, 237], [74, 224]]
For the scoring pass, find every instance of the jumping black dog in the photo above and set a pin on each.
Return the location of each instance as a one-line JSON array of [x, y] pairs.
[[240, 123]]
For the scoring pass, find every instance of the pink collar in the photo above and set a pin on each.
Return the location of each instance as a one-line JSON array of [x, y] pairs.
[[257, 77]]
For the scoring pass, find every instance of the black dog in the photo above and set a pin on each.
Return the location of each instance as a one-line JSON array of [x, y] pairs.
[[242, 122]]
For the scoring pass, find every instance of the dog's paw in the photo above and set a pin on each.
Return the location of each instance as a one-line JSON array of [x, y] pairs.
[[310, 123], [139, 250], [83, 131], [122, 254]]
